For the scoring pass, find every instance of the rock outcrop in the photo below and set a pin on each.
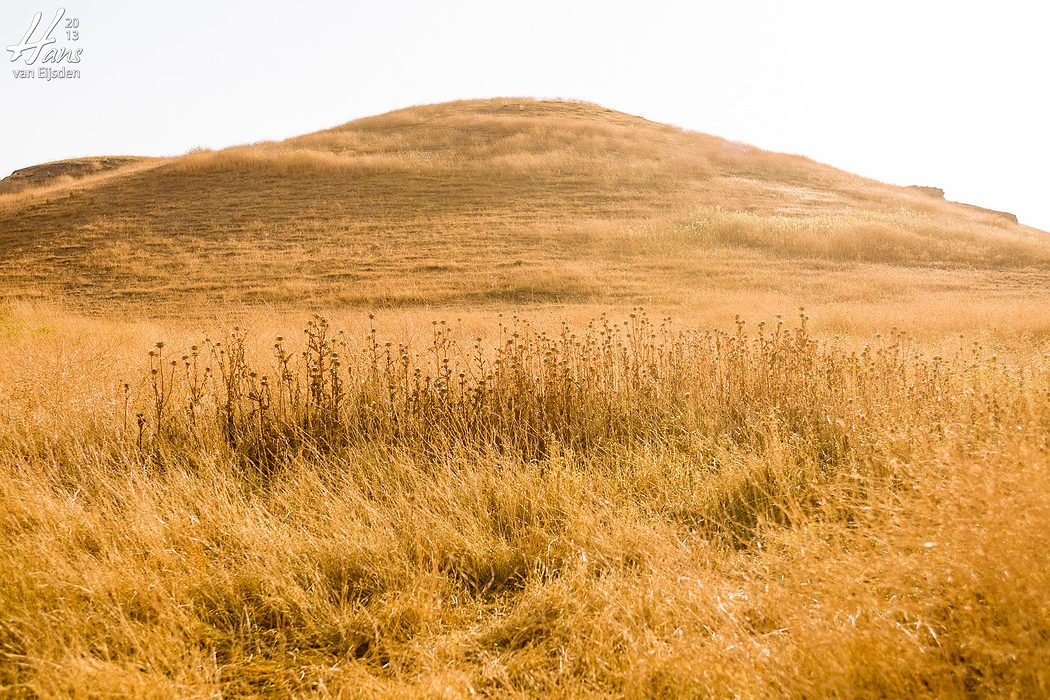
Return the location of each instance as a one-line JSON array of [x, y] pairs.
[[938, 193], [935, 192]]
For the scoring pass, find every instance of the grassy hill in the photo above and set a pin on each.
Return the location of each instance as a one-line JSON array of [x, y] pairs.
[[472, 202], [486, 470]]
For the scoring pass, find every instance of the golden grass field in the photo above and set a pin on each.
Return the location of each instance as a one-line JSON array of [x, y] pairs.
[[515, 398]]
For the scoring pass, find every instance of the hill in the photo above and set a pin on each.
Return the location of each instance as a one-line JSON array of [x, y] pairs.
[[494, 200], [206, 490]]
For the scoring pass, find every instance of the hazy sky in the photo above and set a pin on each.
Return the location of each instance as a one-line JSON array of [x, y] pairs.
[[950, 94]]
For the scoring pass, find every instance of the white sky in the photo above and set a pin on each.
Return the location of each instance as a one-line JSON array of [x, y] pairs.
[[949, 94]]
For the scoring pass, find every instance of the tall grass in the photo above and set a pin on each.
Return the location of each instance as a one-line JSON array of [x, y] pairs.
[[617, 507], [537, 392]]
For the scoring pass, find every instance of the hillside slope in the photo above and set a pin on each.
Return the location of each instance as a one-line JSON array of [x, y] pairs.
[[502, 200], [63, 172]]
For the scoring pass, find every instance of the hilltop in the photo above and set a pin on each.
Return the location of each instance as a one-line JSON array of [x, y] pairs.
[[490, 200]]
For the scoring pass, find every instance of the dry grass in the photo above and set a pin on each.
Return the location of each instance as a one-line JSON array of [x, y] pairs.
[[470, 203], [533, 490], [507, 506]]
